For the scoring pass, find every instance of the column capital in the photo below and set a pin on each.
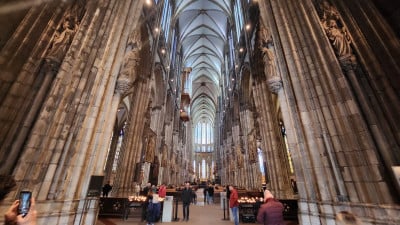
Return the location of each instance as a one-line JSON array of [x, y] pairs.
[[348, 62], [274, 84]]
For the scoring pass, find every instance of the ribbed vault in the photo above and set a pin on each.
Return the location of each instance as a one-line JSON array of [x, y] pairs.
[[203, 25]]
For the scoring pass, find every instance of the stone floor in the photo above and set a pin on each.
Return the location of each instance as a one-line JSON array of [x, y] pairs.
[[199, 215], [208, 214]]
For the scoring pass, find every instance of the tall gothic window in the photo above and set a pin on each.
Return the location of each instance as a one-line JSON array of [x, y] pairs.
[[283, 130], [261, 161], [118, 150], [203, 137], [238, 18], [166, 18]]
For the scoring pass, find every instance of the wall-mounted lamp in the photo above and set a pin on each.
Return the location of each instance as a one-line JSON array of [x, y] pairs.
[[248, 26]]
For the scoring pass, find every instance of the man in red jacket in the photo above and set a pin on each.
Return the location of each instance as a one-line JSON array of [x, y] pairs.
[[162, 191], [271, 212], [234, 204]]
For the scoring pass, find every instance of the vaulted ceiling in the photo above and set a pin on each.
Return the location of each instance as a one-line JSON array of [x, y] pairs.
[[203, 26]]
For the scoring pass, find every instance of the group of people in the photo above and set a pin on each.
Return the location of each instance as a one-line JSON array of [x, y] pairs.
[[209, 194], [151, 208], [271, 211]]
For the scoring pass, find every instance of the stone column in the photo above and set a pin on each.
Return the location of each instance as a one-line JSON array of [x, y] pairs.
[[30, 72], [326, 123]]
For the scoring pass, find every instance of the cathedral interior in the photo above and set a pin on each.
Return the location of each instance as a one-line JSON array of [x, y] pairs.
[[301, 97]]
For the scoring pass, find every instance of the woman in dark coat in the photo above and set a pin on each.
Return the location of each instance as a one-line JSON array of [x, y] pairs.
[[271, 212]]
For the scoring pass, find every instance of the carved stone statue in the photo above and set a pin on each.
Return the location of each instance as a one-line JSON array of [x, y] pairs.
[[128, 74], [164, 153], [150, 148], [62, 40], [268, 55], [239, 157], [273, 79], [339, 39], [252, 147]]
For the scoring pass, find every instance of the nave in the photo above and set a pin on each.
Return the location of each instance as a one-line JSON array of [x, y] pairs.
[[301, 97]]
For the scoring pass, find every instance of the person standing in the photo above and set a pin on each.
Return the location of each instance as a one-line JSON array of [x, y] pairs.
[[187, 194], [205, 193], [210, 194], [271, 212], [146, 189], [234, 204], [162, 191], [106, 189], [146, 192]]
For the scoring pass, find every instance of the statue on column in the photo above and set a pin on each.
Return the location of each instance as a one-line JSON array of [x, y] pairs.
[[339, 39], [128, 73], [265, 45], [62, 40], [239, 156], [338, 36], [150, 149], [164, 152], [268, 55], [252, 147]]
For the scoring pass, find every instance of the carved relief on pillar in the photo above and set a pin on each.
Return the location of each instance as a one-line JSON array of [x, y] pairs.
[[266, 47], [239, 156], [164, 158], [128, 74], [252, 146], [335, 30], [172, 162], [232, 165], [150, 146]]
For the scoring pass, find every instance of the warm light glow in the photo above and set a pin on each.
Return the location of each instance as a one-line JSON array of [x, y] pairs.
[[162, 51], [148, 2], [241, 50], [156, 30], [248, 27]]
